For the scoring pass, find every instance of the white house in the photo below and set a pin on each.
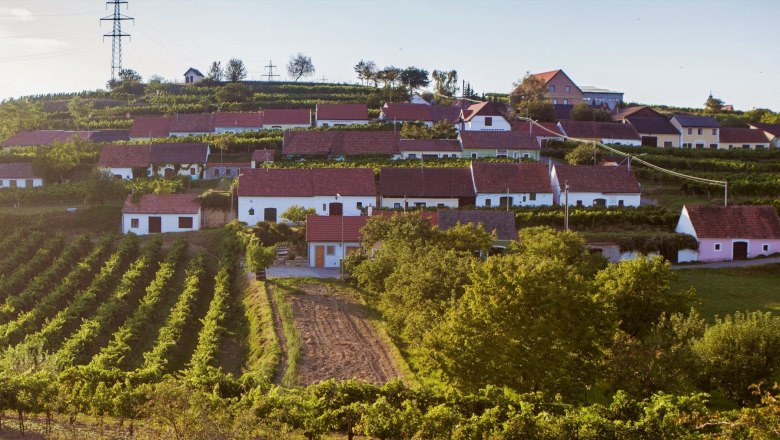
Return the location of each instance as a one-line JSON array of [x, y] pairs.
[[18, 175], [193, 76], [331, 238], [285, 119], [230, 122], [265, 194], [163, 160], [508, 144], [260, 157], [483, 116], [595, 185], [194, 124], [161, 213], [405, 188], [334, 115], [603, 132], [518, 184], [744, 138], [428, 148]]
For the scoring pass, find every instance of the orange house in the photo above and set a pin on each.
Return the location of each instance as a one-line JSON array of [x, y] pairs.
[[560, 89]]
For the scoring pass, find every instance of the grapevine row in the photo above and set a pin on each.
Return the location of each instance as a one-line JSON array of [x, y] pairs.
[[10, 285], [22, 251]]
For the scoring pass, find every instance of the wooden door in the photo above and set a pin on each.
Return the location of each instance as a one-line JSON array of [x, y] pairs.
[[336, 208], [155, 225], [649, 141], [170, 172], [319, 256], [740, 250]]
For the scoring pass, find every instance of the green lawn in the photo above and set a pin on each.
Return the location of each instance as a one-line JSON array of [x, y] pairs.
[[724, 291]]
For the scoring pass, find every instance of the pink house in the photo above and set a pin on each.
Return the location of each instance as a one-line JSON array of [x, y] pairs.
[[728, 233]]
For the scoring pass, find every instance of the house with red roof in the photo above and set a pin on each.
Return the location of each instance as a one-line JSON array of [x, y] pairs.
[[543, 131], [405, 188], [509, 144], [161, 213], [260, 157], [340, 143], [163, 160], [193, 124], [18, 175], [285, 119], [771, 131], [603, 132], [559, 88], [513, 184], [265, 194], [398, 112], [745, 138], [428, 148], [726, 233], [335, 115], [234, 122], [595, 185], [500, 223], [483, 116], [219, 169], [331, 238], [149, 127]]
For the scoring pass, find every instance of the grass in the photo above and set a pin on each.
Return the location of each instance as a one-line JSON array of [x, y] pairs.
[[725, 291], [264, 349], [282, 288]]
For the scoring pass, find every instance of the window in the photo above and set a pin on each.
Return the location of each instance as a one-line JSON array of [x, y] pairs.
[[717, 246], [488, 121], [667, 144], [419, 204], [526, 155], [765, 247], [515, 154], [699, 131], [359, 205], [713, 145], [13, 183], [501, 153], [579, 202], [251, 211], [555, 101], [488, 202], [532, 196], [690, 131], [134, 222], [324, 207], [687, 145], [473, 155], [216, 172], [699, 145], [228, 171], [192, 171], [397, 205], [552, 89], [620, 203], [440, 205], [412, 156], [330, 250], [185, 222], [568, 89], [714, 131], [269, 215], [565, 101], [746, 146]]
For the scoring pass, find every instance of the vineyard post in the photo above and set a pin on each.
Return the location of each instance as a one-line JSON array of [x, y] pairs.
[[566, 205], [726, 194]]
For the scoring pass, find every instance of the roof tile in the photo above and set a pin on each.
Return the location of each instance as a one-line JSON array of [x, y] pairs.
[[162, 204], [494, 178], [426, 182], [598, 178], [275, 182], [334, 228], [736, 221]]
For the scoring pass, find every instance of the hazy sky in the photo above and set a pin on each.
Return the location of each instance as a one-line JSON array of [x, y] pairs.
[[662, 52]]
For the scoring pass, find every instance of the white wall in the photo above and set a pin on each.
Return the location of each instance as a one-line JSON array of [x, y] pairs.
[[20, 183], [627, 142], [477, 123], [512, 154], [587, 199], [336, 122], [419, 154], [283, 203], [735, 146], [169, 223], [687, 255], [330, 260], [388, 202], [184, 170], [124, 173], [219, 130], [188, 133], [284, 126], [518, 199], [685, 225]]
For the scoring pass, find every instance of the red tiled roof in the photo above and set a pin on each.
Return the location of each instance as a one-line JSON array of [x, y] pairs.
[[243, 120], [43, 137], [502, 222], [192, 123], [598, 179], [17, 171], [494, 178], [125, 156], [431, 145], [773, 129], [425, 182], [404, 111], [162, 204], [261, 156], [537, 131], [640, 111], [481, 109], [742, 136], [283, 116], [334, 228], [150, 126], [502, 140], [736, 221], [447, 113], [655, 125], [348, 143], [547, 76], [341, 112], [276, 182], [599, 130], [179, 153]]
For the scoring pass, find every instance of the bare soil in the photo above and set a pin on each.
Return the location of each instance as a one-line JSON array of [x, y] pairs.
[[337, 339]]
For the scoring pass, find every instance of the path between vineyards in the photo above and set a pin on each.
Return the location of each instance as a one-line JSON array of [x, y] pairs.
[[338, 340]]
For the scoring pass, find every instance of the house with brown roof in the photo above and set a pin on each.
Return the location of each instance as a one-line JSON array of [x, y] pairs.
[[745, 138], [771, 131], [513, 184], [149, 127], [340, 143], [639, 111], [509, 144], [265, 194], [163, 160], [234, 122], [483, 116], [285, 119], [559, 88], [726, 233], [697, 131], [161, 213], [331, 238], [428, 148], [425, 187], [194, 124], [500, 223], [398, 112], [595, 185], [18, 175], [335, 115], [655, 131], [543, 131], [603, 132]]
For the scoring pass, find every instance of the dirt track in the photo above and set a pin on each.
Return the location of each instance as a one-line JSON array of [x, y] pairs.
[[337, 340]]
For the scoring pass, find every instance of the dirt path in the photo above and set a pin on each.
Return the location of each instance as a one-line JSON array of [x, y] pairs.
[[282, 367], [337, 340]]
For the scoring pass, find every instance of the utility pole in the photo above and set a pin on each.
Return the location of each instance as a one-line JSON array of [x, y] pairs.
[[270, 69], [566, 206], [116, 35]]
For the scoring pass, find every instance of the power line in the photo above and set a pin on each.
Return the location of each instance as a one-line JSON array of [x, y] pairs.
[[116, 35], [270, 69]]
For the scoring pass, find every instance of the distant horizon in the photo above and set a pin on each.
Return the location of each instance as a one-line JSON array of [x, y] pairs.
[[656, 52]]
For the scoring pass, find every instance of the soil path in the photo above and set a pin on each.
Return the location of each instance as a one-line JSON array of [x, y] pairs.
[[282, 367], [337, 339]]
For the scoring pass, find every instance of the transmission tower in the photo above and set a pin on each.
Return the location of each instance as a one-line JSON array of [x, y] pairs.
[[270, 69], [116, 35]]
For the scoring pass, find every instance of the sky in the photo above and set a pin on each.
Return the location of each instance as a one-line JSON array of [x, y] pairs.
[[672, 52]]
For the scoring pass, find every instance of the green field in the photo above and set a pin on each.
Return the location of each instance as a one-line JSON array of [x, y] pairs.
[[725, 291]]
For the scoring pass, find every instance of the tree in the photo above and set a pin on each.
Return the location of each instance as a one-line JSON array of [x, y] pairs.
[[739, 351], [215, 72], [259, 257], [713, 104], [538, 111], [128, 81], [80, 110], [583, 154], [20, 114], [297, 214], [233, 92], [157, 84], [300, 65], [414, 78], [530, 88], [446, 82], [584, 112], [235, 70], [366, 71], [102, 186], [389, 75], [63, 157], [129, 75]]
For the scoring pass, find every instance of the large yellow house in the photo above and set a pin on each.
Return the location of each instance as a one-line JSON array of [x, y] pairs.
[[697, 131]]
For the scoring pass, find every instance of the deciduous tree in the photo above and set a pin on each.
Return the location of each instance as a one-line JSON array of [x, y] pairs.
[[414, 78], [446, 82], [235, 70], [215, 72], [297, 214], [300, 65]]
